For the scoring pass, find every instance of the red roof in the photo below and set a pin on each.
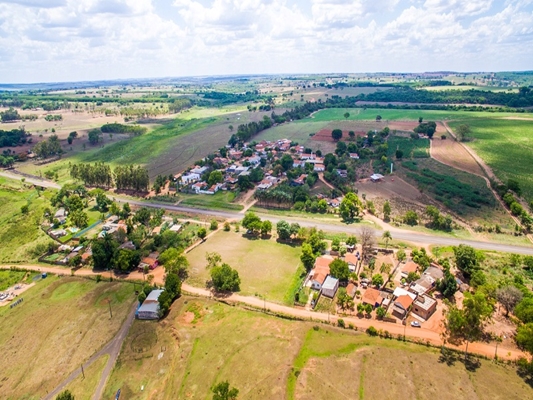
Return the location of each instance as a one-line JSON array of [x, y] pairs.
[[372, 296], [405, 301]]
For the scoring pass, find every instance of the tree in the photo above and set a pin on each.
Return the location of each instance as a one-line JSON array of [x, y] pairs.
[[524, 310], [381, 312], [340, 269], [225, 278], [477, 279], [463, 131], [308, 256], [222, 391], [103, 252], [344, 300], [350, 207], [346, 115], [386, 237], [466, 324], [173, 285], [251, 222], [412, 276], [378, 117], [352, 135], [368, 309], [367, 241], [174, 262], [94, 136], [410, 218], [165, 300], [202, 233], [286, 162], [401, 256], [213, 225], [215, 177], [351, 240], [466, 259], [386, 211], [399, 154], [125, 260], [360, 308], [25, 209], [336, 134], [244, 183], [509, 297], [65, 395], [79, 219], [266, 227], [524, 337], [447, 285], [283, 229], [377, 280]]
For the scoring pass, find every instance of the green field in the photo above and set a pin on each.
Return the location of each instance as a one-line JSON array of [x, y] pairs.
[[10, 278], [20, 233], [203, 342], [297, 132], [265, 267], [333, 114], [411, 148], [506, 146], [60, 324], [221, 200]]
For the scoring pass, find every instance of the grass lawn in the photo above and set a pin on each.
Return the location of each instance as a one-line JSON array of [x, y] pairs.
[[506, 146], [10, 278], [62, 322], [220, 200], [202, 343], [20, 233], [266, 268], [334, 114]]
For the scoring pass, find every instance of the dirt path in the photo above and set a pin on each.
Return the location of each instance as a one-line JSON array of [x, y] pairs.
[[321, 177], [423, 334]]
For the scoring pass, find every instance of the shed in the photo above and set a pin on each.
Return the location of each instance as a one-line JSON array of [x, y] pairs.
[[150, 307], [330, 286]]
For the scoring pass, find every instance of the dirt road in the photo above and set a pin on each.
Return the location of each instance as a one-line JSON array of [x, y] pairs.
[[422, 334]]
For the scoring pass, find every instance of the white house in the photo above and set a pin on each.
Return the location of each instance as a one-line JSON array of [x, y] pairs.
[[330, 286], [376, 177], [189, 178], [198, 170], [150, 307]]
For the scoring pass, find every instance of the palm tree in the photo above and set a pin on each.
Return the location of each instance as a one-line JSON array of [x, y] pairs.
[[386, 237]]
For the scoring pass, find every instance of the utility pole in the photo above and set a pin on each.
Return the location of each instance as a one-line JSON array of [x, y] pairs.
[[82, 372], [110, 313]]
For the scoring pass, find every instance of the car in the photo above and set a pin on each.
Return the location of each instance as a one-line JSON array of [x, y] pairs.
[[415, 324]]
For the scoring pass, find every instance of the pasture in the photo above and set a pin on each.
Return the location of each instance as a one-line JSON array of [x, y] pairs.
[[203, 342], [20, 233], [260, 271], [506, 145], [221, 200], [60, 324]]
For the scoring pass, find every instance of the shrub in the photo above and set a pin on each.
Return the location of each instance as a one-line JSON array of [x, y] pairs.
[[341, 323], [371, 331]]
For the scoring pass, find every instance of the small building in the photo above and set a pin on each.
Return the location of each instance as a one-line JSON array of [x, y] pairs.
[[410, 266], [376, 177], [127, 246], [352, 261], [330, 286], [150, 307], [351, 289], [320, 272], [373, 297], [189, 178], [424, 306], [354, 156], [319, 168], [401, 305], [300, 181]]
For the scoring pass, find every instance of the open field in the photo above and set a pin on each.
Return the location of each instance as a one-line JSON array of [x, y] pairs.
[[20, 233], [450, 152], [220, 200], [60, 324], [495, 89], [332, 114], [265, 267], [84, 388], [10, 278], [506, 146], [320, 93], [203, 342]]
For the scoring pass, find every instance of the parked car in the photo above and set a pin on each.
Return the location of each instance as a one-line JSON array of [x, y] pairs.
[[415, 324]]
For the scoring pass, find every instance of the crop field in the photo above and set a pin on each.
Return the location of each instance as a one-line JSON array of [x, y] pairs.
[[261, 273], [60, 324], [203, 342], [332, 114], [506, 146], [20, 233], [411, 148]]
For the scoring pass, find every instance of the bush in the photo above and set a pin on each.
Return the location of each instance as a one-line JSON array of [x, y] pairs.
[[214, 225], [227, 226], [371, 331], [340, 322]]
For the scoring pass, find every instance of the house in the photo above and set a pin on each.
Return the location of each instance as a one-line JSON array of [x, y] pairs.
[[189, 178], [235, 154], [198, 170], [197, 187], [373, 297], [330, 286], [401, 305], [434, 272], [58, 233], [424, 306], [254, 160], [150, 307], [354, 156], [352, 261], [410, 266], [319, 168], [318, 275], [149, 262], [298, 164], [128, 246], [342, 173], [334, 203], [265, 184], [60, 213], [351, 289], [376, 177], [300, 180], [175, 228]]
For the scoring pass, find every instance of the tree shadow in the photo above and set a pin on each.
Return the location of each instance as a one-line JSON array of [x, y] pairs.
[[450, 357]]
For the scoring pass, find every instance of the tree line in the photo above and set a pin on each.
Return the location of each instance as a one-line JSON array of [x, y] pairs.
[[13, 137], [128, 177], [246, 131], [136, 130]]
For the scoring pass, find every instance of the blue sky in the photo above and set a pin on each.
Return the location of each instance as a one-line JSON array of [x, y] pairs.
[[64, 40]]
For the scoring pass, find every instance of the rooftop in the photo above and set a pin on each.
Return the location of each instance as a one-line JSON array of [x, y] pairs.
[[330, 283], [425, 302], [372, 296]]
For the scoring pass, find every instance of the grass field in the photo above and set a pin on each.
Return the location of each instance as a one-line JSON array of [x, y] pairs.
[[495, 89], [20, 233], [411, 148], [60, 324], [202, 343], [260, 271], [10, 278], [506, 146], [221, 200], [332, 114], [83, 387]]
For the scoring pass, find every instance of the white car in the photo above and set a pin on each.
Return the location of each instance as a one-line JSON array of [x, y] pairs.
[[415, 324]]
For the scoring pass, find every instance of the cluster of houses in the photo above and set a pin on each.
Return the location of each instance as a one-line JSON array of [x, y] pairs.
[[412, 298], [240, 162]]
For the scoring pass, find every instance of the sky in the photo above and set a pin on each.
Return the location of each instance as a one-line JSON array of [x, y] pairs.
[[74, 40]]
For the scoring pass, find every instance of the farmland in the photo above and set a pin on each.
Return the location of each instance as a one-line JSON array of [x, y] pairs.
[[261, 273], [220, 200], [506, 145], [20, 233], [204, 342], [68, 320]]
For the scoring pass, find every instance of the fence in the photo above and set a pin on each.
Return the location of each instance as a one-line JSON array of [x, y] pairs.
[[16, 303]]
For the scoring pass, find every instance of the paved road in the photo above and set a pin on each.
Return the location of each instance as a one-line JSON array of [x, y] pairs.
[[112, 349], [399, 234], [361, 323]]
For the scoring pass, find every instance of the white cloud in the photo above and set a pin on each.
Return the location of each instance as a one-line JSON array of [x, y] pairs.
[[93, 39]]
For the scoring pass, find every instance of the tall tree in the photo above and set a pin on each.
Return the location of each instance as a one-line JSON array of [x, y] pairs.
[[222, 391]]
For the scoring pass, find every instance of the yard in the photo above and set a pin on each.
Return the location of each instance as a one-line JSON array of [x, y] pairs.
[[61, 323], [265, 267]]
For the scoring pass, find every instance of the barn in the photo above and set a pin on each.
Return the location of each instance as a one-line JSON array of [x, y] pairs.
[[150, 307]]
